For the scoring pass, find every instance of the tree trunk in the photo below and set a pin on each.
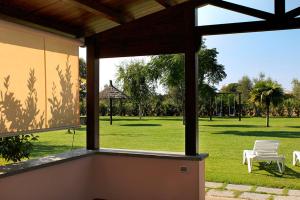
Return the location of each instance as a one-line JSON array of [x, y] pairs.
[[140, 111], [268, 115], [210, 109]]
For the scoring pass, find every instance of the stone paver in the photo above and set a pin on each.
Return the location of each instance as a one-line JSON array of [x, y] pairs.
[[214, 193], [286, 198], [242, 188], [220, 193], [220, 198], [269, 190], [294, 193], [213, 185], [254, 196]]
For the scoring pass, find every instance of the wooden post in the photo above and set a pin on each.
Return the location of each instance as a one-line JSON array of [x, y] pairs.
[[110, 105], [92, 129], [191, 83], [110, 110], [279, 7]]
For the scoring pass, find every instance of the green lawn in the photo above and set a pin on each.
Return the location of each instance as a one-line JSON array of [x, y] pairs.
[[223, 139]]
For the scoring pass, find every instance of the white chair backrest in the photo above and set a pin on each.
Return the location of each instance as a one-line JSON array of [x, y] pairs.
[[266, 147]]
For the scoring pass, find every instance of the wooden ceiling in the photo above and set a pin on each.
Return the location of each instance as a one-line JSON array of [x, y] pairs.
[[79, 18]]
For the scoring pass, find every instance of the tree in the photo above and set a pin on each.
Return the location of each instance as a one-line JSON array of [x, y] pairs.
[[230, 88], [169, 71], [289, 104], [82, 68], [206, 95], [296, 88], [267, 92], [245, 86], [83, 88], [134, 78]]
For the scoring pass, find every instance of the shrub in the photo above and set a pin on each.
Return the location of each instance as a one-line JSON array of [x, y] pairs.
[[17, 147]]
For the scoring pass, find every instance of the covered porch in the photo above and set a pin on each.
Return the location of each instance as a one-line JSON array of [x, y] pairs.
[[111, 29], [117, 29]]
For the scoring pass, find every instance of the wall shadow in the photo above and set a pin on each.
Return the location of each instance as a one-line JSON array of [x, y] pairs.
[[15, 116], [278, 134], [62, 106]]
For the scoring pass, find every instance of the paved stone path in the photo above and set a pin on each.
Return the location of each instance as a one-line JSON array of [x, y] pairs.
[[221, 191]]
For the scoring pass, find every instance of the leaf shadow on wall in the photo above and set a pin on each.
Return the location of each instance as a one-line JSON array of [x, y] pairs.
[[16, 117], [63, 107]]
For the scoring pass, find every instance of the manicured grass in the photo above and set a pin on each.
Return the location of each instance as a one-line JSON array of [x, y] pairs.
[[223, 139]]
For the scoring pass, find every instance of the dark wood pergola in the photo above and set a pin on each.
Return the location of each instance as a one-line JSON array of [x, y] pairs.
[[134, 28], [111, 92]]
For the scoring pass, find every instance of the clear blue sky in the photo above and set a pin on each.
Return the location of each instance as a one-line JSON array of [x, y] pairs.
[[277, 54]]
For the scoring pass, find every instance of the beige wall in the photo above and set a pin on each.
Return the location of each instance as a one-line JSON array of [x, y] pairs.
[[70, 180], [33, 71], [137, 178], [109, 177]]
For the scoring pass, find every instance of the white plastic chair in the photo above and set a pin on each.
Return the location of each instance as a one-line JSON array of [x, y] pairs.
[[264, 150], [296, 157]]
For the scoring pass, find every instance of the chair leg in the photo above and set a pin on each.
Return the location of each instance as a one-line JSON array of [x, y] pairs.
[[249, 165], [279, 167], [244, 158], [295, 158]]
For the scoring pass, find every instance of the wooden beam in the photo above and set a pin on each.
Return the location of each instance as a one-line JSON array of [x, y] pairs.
[[241, 9], [20, 16], [293, 13], [166, 3], [97, 8], [279, 7], [158, 33], [246, 27], [92, 128]]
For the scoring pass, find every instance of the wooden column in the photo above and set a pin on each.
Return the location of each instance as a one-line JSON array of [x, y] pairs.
[[191, 83], [110, 111], [92, 129], [110, 105], [279, 7]]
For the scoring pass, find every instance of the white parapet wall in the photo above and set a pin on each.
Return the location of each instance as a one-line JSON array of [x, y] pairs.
[[108, 176]]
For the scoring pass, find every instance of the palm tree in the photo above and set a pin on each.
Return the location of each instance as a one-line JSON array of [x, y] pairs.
[[267, 92]]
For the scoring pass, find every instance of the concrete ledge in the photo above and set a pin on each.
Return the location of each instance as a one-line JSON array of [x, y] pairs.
[[152, 154], [25, 166], [28, 165]]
